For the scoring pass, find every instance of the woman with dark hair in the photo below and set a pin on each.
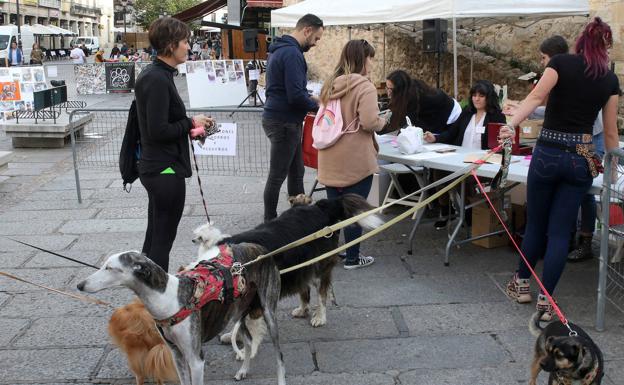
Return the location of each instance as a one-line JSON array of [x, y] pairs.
[[426, 107], [165, 130], [563, 163], [348, 165], [470, 129]]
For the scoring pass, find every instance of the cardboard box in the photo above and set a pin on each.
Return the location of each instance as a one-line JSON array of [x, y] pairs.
[[530, 129], [484, 221]]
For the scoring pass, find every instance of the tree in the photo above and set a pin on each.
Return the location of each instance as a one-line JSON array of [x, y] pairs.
[[149, 10]]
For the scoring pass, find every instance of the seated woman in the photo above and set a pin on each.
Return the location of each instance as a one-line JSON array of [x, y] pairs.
[[428, 108], [469, 131]]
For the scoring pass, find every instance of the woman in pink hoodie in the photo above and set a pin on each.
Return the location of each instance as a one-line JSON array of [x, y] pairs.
[[348, 165]]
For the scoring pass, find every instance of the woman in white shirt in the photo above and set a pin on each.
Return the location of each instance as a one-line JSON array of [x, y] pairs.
[[470, 129]]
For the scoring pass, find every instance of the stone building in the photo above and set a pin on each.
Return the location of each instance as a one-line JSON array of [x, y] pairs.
[[84, 17]]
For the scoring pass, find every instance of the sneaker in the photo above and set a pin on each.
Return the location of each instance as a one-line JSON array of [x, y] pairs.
[[441, 224], [544, 306], [519, 289], [362, 261], [342, 255]]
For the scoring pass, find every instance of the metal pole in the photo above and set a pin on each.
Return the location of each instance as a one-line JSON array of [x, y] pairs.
[[472, 52], [124, 21], [72, 135], [19, 31], [604, 245], [384, 52], [454, 56]]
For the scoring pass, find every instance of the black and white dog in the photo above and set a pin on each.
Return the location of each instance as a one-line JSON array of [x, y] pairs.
[[165, 295]]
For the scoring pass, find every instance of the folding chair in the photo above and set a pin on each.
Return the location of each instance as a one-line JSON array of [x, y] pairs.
[[310, 154]]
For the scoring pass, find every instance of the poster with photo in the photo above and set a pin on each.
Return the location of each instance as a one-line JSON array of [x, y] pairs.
[[215, 83], [90, 79], [10, 91]]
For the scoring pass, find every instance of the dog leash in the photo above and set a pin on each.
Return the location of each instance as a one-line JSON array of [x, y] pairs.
[[76, 296], [53, 253], [201, 190], [329, 230], [552, 302]]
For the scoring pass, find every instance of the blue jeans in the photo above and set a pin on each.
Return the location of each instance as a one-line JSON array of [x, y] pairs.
[[286, 161], [588, 205], [351, 232], [557, 182]]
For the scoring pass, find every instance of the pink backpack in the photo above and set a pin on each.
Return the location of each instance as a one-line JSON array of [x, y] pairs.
[[328, 125]]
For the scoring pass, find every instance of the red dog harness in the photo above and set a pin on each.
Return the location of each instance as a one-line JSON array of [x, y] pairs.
[[212, 281]]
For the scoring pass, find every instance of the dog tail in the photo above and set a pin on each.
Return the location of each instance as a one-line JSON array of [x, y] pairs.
[[159, 364], [355, 205], [534, 324]]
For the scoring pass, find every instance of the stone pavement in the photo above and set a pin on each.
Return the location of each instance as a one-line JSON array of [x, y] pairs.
[[404, 320]]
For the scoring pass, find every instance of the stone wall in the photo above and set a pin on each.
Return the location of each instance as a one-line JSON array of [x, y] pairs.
[[502, 53]]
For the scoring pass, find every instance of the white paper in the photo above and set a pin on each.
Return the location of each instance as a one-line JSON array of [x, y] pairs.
[[254, 74], [52, 71], [222, 143], [215, 83], [427, 155]]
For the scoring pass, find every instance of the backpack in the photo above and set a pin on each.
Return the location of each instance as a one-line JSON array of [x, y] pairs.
[[130, 152], [328, 125]]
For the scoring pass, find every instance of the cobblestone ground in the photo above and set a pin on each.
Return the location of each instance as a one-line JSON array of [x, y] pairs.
[[404, 320]]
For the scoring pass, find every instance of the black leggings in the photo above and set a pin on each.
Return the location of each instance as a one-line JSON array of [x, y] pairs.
[[166, 193]]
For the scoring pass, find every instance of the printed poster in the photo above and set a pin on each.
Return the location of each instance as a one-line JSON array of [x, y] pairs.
[[222, 143], [216, 83], [119, 76], [17, 87]]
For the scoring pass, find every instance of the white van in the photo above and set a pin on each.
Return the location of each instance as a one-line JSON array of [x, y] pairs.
[[8, 34], [91, 42]]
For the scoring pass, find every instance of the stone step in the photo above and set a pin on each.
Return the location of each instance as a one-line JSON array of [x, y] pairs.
[[5, 157]]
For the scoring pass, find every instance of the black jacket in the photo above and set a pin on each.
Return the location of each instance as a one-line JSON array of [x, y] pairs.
[[287, 97], [455, 132], [432, 111], [163, 122]]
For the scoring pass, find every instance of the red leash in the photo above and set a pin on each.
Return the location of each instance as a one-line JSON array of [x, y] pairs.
[[562, 317]]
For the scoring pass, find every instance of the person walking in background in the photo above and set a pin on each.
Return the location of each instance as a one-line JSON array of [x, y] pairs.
[[36, 54], [77, 55], [563, 164], [287, 103], [348, 165], [15, 57], [165, 129], [114, 55]]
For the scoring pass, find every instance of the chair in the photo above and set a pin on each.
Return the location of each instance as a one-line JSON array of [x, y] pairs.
[[396, 169], [310, 154]]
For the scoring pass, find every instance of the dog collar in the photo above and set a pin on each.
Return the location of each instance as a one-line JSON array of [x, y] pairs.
[[587, 380], [212, 281]]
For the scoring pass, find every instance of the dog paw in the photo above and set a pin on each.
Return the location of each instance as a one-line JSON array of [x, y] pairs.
[[240, 355], [226, 338], [240, 375], [300, 312], [318, 320]]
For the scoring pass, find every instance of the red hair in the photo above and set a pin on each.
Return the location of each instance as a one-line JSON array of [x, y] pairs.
[[592, 44]]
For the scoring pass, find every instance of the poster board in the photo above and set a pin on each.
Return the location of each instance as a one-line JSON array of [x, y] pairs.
[[223, 143], [216, 83], [92, 79], [119, 77], [17, 86]]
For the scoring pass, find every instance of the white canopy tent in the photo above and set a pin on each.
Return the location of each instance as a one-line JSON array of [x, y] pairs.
[[478, 12]]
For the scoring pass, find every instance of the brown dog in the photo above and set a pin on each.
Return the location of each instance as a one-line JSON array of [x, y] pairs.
[[569, 359], [133, 330]]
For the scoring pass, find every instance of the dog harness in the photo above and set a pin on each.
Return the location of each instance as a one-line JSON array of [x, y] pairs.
[[212, 281], [587, 380]]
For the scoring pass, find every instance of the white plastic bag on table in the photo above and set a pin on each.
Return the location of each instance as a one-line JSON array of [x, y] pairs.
[[410, 140]]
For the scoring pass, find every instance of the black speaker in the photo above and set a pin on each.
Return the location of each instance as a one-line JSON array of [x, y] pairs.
[[250, 40], [434, 35]]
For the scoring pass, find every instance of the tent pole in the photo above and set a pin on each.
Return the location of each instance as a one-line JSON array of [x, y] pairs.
[[472, 52], [455, 57], [383, 74]]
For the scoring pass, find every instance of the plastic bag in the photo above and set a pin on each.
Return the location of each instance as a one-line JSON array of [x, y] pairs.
[[410, 140]]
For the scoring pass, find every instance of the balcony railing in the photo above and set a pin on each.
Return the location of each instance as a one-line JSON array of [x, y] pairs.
[[82, 10], [56, 4]]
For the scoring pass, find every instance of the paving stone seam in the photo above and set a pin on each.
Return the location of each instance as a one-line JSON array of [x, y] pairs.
[[399, 321], [19, 334], [98, 366], [504, 347]]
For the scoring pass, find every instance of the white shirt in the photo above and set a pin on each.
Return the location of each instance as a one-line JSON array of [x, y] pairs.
[[78, 56], [472, 135]]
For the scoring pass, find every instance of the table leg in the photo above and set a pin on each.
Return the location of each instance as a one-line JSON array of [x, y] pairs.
[[422, 182], [462, 214]]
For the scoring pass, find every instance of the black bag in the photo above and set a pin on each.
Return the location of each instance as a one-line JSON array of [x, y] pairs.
[[130, 149]]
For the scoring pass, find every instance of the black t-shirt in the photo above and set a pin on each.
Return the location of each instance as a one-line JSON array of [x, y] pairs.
[[432, 112], [574, 102]]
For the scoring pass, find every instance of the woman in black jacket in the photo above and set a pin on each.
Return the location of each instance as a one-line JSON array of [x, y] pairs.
[[470, 129], [165, 130]]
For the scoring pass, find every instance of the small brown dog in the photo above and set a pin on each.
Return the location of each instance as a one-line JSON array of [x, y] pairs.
[[133, 330], [569, 359]]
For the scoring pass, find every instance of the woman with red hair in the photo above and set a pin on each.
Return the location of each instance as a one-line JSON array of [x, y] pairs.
[[563, 163]]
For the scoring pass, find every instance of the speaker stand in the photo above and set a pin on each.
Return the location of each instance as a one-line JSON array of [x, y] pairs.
[[254, 92]]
